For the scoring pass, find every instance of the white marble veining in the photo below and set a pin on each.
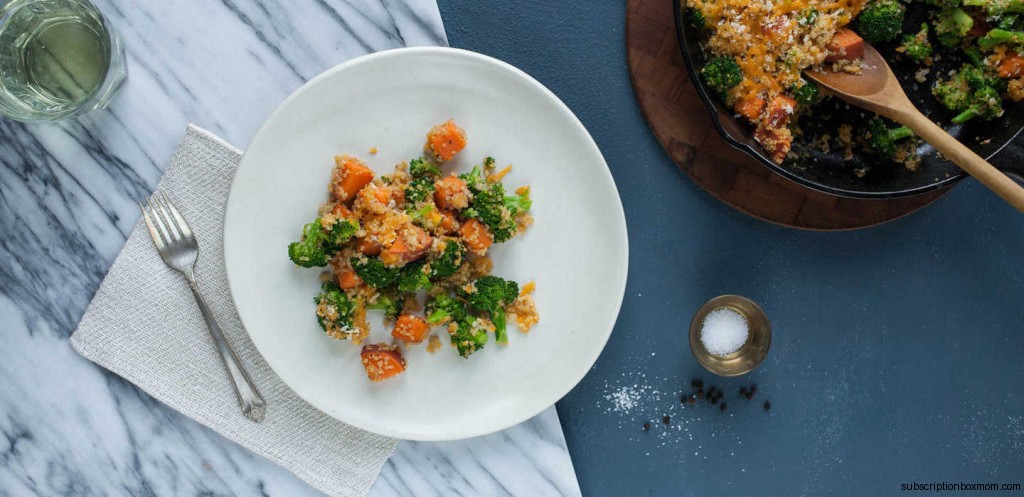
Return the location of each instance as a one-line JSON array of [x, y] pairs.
[[67, 203]]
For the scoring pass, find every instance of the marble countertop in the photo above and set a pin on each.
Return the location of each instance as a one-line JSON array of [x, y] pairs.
[[67, 203]]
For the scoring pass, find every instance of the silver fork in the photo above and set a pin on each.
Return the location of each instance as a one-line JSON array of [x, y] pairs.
[[179, 249]]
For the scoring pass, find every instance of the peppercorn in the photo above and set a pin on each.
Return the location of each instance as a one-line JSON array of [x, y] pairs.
[[693, 400], [743, 391], [750, 396], [711, 393], [665, 419], [700, 394], [753, 389], [767, 405], [647, 427], [696, 383], [714, 400], [722, 407]]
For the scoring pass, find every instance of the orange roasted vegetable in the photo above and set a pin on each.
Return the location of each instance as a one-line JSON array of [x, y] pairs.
[[382, 361], [410, 328]]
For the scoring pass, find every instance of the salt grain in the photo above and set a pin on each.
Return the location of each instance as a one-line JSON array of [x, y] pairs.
[[724, 331], [624, 399]]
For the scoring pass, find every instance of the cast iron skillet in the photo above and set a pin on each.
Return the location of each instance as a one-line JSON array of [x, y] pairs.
[[829, 172]]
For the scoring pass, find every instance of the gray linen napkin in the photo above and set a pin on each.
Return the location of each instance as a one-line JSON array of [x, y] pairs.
[[144, 326]]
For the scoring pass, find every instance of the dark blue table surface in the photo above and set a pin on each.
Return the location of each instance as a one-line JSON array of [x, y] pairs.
[[897, 350]]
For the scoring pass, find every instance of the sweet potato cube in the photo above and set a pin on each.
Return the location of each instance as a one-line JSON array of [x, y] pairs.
[[411, 244], [349, 177], [476, 236], [348, 279], [451, 193], [382, 361], [845, 45], [410, 329], [444, 141]]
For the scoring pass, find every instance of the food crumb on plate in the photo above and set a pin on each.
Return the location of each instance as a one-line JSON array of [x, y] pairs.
[[433, 344]]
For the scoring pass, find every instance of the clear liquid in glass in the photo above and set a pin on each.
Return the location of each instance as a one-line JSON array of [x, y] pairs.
[[56, 59]]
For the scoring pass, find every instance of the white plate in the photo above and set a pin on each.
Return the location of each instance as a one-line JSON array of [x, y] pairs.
[[576, 251]]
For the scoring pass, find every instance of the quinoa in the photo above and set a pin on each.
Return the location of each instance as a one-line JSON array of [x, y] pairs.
[[921, 75], [433, 344], [1015, 89], [848, 66], [846, 140], [383, 249], [525, 311], [906, 154]]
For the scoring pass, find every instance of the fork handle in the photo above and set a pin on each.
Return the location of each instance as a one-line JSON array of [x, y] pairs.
[[249, 397]]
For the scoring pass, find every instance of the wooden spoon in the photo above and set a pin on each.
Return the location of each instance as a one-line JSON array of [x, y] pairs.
[[877, 90]]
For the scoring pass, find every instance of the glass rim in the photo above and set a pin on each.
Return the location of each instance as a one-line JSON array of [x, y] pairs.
[[113, 78]]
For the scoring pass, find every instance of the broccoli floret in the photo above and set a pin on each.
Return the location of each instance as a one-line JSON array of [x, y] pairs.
[[488, 205], [986, 103], [491, 294], [491, 206], [971, 93], [374, 272], [951, 26], [917, 46], [808, 17], [419, 216], [721, 75], [424, 173], [449, 261], [419, 189], [475, 178], [976, 77], [444, 308], [318, 244], [334, 310], [695, 17], [881, 141], [954, 94], [806, 94], [881, 20], [974, 55], [422, 168], [518, 203], [470, 336], [1008, 22], [390, 304], [998, 36], [413, 276], [310, 250]]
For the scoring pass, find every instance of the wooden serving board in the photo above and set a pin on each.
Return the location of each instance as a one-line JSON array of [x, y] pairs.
[[682, 124]]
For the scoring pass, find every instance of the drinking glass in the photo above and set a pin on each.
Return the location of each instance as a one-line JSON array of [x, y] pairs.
[[58, 59]]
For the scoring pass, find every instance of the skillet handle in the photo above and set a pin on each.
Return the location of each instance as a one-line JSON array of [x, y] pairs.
[[962, 156]]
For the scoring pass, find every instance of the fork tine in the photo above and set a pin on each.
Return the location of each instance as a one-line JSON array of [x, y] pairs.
[[158, 220], [179, 220], [153, 233], [165, 217]]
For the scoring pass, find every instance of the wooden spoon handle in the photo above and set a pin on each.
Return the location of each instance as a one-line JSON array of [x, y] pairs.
[[962, 156]]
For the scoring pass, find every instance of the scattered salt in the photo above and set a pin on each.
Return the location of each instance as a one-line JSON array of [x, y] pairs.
[[724, 331], [624, 399]]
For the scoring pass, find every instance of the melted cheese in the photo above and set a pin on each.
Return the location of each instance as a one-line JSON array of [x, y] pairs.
[[773, 41]]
